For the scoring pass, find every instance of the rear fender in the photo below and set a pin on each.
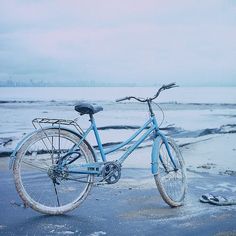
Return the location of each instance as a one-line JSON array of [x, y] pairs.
[[28, 136], [18, 146]]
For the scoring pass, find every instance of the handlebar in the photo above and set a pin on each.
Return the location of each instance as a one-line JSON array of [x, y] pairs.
[[122, 99], [168, 86], [163, 87], [131, 97]]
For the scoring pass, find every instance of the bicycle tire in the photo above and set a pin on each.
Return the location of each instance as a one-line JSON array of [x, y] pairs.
[[173, 191], [37, 174]]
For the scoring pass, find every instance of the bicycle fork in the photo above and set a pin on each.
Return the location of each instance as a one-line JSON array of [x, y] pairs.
[[156, 153]]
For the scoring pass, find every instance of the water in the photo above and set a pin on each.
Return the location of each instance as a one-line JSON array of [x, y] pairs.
[[180, 95], [190, 109]]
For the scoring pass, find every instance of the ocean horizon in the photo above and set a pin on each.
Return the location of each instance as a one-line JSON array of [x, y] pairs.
[[179, 94]]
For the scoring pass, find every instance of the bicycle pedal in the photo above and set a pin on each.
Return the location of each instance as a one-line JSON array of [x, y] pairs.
[[101, 183]]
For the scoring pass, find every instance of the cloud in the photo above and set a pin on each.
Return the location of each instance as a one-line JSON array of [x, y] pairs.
[[133, 40]]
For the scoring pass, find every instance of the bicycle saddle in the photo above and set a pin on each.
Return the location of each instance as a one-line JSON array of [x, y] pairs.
[[87, 108]]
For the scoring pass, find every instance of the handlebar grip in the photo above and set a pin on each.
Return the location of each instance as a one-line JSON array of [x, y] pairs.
[[171, 84], [168, 86], [121, 99]]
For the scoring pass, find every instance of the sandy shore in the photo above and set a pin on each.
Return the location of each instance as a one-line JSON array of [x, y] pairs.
[[216, 155], [133, 205]]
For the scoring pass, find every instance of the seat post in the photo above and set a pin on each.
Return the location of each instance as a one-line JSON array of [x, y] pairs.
[[91, 119], [94, 126]]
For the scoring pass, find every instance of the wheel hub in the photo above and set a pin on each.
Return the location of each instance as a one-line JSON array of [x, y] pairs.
[[57, 174]]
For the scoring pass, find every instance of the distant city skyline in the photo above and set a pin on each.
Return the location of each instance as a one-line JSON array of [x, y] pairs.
[[93, 83], [117, 43], [78, 83]]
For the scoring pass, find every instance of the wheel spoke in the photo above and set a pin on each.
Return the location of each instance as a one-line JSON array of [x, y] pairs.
[[52, 154], [77, 180], [35, 166], [55, 188]]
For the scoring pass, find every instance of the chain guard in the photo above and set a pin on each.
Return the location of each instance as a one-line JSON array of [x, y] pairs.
[[111, 172]]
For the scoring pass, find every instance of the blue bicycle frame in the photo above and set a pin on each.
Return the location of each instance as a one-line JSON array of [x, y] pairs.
[[151, 127]]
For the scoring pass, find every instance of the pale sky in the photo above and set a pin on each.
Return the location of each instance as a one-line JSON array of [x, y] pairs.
[[192, 42]]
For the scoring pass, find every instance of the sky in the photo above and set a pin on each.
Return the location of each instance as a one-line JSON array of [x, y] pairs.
[[191, 42]]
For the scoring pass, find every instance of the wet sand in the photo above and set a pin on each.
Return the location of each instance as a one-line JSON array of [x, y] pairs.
[[133, 206], [125, 209]]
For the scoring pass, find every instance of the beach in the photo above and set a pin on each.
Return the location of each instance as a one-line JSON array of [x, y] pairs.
[[192, 116], [201, 120]]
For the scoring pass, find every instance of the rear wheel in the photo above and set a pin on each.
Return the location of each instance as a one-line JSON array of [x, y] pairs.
[[40, 183], [171, 181]]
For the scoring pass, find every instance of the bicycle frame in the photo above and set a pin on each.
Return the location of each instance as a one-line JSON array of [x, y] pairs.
[[151, 126]]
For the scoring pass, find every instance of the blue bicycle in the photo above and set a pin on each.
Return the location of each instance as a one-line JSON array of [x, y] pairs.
[[55, 167]]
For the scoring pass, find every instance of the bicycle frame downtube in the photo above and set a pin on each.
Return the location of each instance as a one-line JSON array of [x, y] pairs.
[[136, 144], [117, 147]]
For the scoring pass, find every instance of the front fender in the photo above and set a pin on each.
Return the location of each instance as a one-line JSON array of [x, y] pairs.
[[155, 153]]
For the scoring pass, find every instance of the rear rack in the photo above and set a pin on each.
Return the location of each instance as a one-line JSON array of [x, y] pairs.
[[38, 123]]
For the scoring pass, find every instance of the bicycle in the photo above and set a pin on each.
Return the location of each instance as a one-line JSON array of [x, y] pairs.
[[65, 164]]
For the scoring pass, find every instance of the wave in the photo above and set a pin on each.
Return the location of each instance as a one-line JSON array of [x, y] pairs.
[[180, 133], [176, 132], [113, 102], [224, 129], [170, 130]]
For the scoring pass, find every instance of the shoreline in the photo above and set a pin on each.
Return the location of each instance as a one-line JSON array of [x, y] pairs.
[[134, 203], [183, 137], [200, 155]]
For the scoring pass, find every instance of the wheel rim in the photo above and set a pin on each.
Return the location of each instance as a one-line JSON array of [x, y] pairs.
[[40, 186]]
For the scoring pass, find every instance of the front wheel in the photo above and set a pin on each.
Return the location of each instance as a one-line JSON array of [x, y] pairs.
[[40, 182], [171, 179]]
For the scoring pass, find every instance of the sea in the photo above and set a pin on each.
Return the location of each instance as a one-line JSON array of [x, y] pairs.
[[191, 111], [179, 94]]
